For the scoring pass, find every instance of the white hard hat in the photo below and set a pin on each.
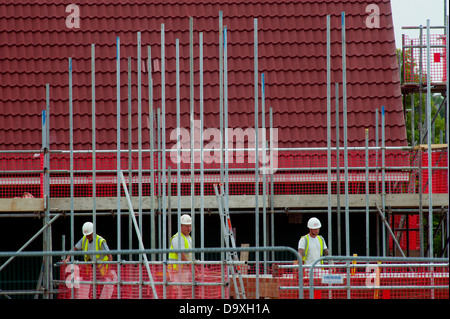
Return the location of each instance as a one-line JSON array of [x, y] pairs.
[[314, 223], [88, 228], [186, 220]]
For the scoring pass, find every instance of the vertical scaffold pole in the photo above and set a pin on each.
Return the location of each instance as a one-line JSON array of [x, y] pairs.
[[225, 108], [338, 175], [159, 173], [94, 164], [344, 103], [367, 190], [47, 240], [429, 153], [263, 162], [139, 76], [177, 71], [202, 177], [221, 94], [72, 217], [152, 144], [272, 208], [255, 39], [191, 102], [119, 235], [222, 255], [130, 161], [376, 175], [344, 94], [163, 152], [383, 175], [329, 133]]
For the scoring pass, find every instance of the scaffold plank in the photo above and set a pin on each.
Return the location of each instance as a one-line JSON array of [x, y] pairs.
[[21, 204], [235, 202]]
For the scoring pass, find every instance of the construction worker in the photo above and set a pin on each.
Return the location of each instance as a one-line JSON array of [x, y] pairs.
[[312, 246], [87, 243], [181, 272]]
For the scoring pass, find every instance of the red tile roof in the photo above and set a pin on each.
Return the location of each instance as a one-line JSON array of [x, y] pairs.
[[36, 44]]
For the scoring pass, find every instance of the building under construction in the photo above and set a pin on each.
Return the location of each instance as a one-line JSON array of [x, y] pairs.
[[251, 117]]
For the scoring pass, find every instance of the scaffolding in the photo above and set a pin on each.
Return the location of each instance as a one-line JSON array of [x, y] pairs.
[[425, 72], [383, 181]]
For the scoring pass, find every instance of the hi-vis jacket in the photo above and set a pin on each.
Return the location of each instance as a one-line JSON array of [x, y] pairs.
[[307, 246], [98, 244], [174, 256]]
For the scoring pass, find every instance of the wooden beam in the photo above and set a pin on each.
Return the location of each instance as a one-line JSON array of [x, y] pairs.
[[247, 201], [433, 146], [110, 203], [358, 200], [21, 204], [210, 202]]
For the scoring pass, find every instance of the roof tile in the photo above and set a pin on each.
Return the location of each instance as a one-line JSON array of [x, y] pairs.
[[36, 46]]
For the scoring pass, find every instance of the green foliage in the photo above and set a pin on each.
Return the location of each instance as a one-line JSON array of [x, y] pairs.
[[439, 122]]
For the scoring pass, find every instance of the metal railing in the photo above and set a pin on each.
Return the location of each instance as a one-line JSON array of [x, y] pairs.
[[166, 282], [351, 263], [339, 278]]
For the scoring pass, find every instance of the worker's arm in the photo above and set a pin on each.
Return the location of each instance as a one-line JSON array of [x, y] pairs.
[[301, 252], [105, 248], [184, 257]]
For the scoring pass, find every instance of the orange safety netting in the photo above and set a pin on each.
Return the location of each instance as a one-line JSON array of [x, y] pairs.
[[414, 56], [370, 282], [135, 283], [296, 173]]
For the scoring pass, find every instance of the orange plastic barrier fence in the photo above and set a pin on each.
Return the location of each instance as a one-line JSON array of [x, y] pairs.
[[135, 282], [309, 174], [372, 282]]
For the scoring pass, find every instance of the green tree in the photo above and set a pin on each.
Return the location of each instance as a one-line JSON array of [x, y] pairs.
[[437, 126]]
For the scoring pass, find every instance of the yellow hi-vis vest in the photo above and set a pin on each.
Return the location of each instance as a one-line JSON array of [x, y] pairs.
[[98, 244], [307, 246], [174, 256]]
